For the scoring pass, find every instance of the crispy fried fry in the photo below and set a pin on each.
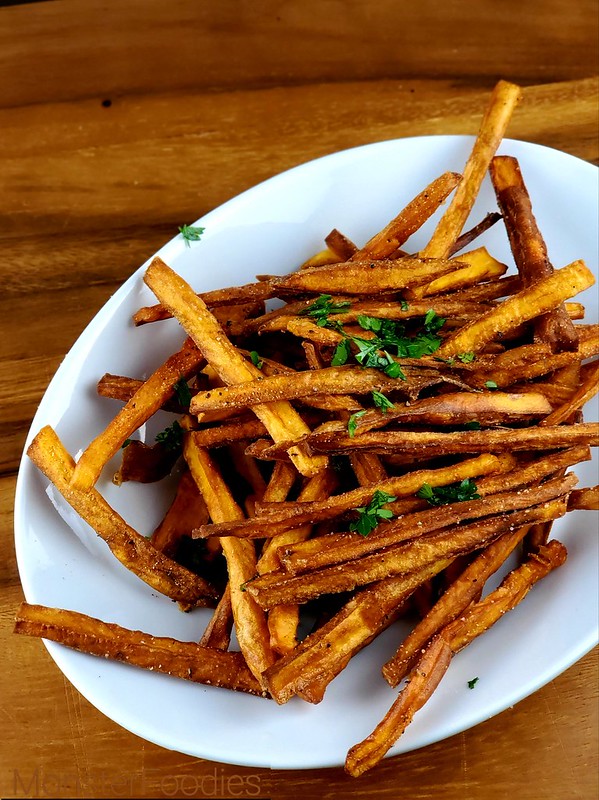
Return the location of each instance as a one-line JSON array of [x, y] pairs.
[[538, 298], [410, 219], [217, 634], [276, 588], [250, 621], [479, 266], [425, 677], [276, 522], [186, 510], [435, 443], [587, 390], [154, 392], [586, 499], [280, 419], [186, 660], [529, 249], [504, 99], [133, 550]]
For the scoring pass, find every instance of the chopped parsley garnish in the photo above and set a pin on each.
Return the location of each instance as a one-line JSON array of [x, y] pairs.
[[382, 402], [454, 493], [171, 437], [405, 306], [191, 233], [320, 309], [341, 354], [183, 392], [352, 422], [372, 514], [491, 385], [256, 360], [432, 321], [472, 426], [472, 683], [467, 358], [126, 443]]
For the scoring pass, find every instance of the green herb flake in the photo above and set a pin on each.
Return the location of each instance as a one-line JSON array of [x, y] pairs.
[[467, 358], [370, 515], [183, 392], [491, 385], [171, 437], [472, 426], [256, 360], [322, 307], [126, 443], [472, 683], [405, 306], [341, 354], [352, 422], [454, 493], [382, 402], [432, 321], [191, 233]]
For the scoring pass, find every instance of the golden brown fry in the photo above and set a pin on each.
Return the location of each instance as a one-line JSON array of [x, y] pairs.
[[424, 679], [250, 293], [586, 499], [281, 420], [528, 248], [133, 550], [587, 390], [324, 653], [515, 586], [436, 443], [504, 99], [341, 548], [479, 266], [182, 517], [469, 236], [186, 660], [536, 299], [350, 277], [276, 588], [217, 634], [434, 662], [275, 521], [250, 621], [119, 387], [342, 247], [457, 597], [159, 387], [384, 243]]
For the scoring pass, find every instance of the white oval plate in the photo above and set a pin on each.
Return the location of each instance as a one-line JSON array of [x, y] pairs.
[[271, 229]]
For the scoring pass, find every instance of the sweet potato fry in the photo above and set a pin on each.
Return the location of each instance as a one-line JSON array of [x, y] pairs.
[[587, 390], [345, 547], [457, 597], [350, 277], [186, 509], [468, 237], [275, 522], [217, 634], [342, 247], [250, 621], [384, 243], [133, 550], [538, 298], [586, 499], [186, 660], [425, 677], [159, 387], [281, 420], [324, 653], [425, 442], [529, 249], [504, 99], [479, 266], [276, 588]]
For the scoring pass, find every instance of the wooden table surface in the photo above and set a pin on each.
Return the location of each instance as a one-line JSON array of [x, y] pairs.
[[118, 122]]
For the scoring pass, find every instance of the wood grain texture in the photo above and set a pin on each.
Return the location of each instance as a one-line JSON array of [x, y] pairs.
[[206, 101], [90, 48]]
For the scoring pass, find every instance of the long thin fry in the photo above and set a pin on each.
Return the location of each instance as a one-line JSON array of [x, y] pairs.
[[186, 660], [133, 550], [281, 420]]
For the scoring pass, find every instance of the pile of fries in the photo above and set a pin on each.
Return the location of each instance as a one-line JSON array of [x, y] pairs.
[[376, 447]]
